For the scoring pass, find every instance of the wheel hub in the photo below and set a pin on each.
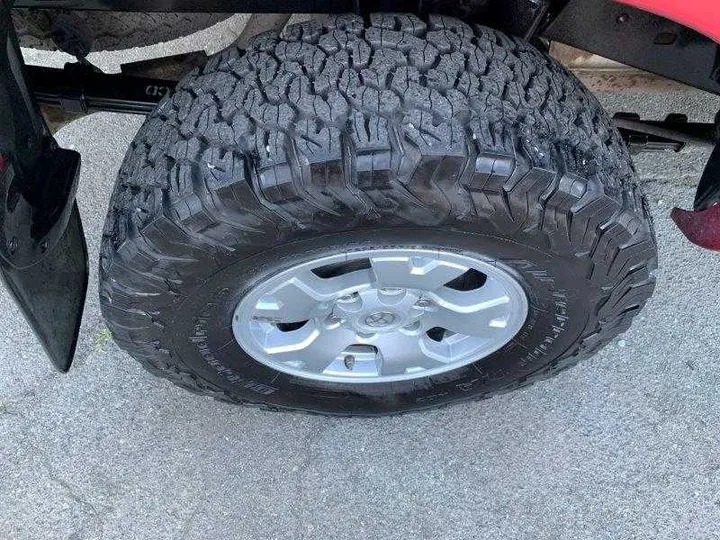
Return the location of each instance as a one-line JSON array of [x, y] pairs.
[[381, 315], [378, 310], [380, 319]]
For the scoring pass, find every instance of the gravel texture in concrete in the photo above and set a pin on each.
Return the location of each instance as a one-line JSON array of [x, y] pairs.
[[623, 446]]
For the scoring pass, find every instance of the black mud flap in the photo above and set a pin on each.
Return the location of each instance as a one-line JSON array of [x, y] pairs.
[[43, 257], [51, 293]]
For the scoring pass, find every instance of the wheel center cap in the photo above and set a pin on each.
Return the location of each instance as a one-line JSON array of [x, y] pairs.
[[380, 319]]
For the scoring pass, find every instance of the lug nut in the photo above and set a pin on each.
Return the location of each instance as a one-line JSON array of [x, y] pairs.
[[349, 362], [333, 320], [412, 327], [348, 297], [423, 302]]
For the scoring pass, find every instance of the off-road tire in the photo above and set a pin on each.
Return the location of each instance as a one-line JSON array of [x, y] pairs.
[[401, 132], [112, 30]]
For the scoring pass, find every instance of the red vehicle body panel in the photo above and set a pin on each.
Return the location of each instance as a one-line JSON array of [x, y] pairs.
[[701, 228], [700, 15]]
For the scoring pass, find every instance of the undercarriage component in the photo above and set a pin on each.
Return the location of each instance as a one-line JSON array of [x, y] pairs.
[[673, 133], [43, 258], [71, 34], [80, 88]]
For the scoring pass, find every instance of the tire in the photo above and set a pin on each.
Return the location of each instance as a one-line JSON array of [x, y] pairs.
[[112, 30], [398, 134]]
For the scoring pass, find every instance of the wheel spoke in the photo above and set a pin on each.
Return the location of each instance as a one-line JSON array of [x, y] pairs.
[[451, 347], [425, 272], [403, 353], [480, 312], [305, 295], [311, 348]]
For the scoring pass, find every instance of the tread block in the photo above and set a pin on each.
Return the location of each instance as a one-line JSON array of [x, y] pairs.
[[277, 184], [491, 169], [402, 22], [374, 170]]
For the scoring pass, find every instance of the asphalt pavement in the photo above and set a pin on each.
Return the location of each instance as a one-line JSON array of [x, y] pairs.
[[623, 446]]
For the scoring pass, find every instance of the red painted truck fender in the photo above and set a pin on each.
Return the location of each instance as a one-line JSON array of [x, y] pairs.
[[700, 15]]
